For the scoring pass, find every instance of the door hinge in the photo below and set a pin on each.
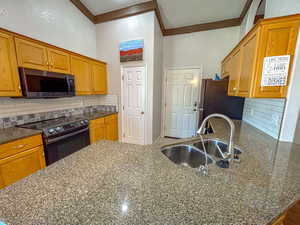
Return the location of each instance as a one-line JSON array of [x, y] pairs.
[[123, 135], [122, 77], [123, 107]]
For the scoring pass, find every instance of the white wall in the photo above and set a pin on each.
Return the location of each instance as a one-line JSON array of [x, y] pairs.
[[157, 80], [289, 130], [109, 36], [248, 20], [57, 22], [207, 48], [276, 8]]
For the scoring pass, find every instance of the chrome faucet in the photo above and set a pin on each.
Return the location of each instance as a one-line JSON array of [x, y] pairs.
[[230, 154]]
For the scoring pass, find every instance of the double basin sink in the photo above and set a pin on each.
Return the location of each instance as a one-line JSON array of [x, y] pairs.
[[193, 155]]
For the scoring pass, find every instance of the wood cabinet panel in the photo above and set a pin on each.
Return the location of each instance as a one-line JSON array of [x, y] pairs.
[[31, 55], [111, 123], [99, 78], [277, 39], [270, 37], [18, 166], [20, 145], [235, 72], [9, 76], [249, 53], [81, 69], [104, 128], [226, 66], [59, 61]]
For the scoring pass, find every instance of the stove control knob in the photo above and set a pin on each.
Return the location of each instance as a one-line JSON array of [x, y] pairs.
[[51, 131], [83, 122]]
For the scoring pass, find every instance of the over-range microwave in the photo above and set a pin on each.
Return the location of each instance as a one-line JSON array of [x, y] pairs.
[[45, 84]]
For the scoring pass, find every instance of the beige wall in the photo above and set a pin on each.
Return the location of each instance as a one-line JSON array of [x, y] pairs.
[[109, 36], [57, 22], [157, 81], [206, 48]]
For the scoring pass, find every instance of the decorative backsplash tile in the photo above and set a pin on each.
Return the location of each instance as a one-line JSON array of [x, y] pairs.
[[34, 117], [265, 114]]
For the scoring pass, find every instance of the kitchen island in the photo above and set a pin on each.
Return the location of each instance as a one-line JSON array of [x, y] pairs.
[[117, 183]]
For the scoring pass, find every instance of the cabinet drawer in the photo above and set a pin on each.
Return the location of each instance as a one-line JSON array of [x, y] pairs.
[[21, 165], [97, 122], [20, 145]]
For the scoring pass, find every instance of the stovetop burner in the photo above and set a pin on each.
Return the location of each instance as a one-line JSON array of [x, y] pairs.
[[58, 125]]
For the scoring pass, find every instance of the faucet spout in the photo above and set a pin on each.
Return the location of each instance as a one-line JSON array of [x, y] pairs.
[[230, 154]]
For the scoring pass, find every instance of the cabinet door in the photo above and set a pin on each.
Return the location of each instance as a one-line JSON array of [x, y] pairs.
[[235, 72], [99, 76], [31, 55], [9, 76], [21, 165], [59, 61], [248, 61], [81, 69], [97, 133], [111, 123], [226, 66], [276, 39]]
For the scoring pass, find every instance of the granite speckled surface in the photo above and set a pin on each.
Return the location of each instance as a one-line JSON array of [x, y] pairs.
[[13, 133], [96, 115], [117, 183]]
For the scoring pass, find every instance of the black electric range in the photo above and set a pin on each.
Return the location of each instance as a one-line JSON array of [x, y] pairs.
[[62, 136]]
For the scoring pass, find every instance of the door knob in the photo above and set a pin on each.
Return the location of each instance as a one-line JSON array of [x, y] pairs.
[[142, 113]]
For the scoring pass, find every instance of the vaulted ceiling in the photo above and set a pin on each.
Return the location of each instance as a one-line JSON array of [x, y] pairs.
[[175, 16]]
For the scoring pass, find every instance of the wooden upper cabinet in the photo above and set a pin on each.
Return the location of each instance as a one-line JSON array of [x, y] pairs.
[[277, 39], [9, 76], [59, 61], [226, 66], [31, 55], [270, 37], [81, 69], [249, 53], [235, 72], [99, 78]]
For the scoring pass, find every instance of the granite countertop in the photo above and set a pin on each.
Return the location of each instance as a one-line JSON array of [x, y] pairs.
[[14, 133], [95, 115], [117, 183]]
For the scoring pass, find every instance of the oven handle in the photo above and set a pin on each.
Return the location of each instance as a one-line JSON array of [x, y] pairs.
[[50, 141]]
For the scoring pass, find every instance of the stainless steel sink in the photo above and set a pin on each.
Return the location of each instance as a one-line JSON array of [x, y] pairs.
[[186, 155], [215, 148]]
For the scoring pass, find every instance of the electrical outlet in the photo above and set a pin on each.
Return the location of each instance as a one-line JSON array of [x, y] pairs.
[[3, 12]]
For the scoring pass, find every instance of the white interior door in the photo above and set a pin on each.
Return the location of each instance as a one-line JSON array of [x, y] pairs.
[[182, 97], [134, 105]]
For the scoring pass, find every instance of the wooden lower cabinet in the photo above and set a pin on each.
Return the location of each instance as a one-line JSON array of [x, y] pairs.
[[25, 162], [104, 129]]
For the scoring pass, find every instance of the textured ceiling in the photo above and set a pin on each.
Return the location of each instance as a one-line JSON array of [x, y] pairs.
[[178, 13]]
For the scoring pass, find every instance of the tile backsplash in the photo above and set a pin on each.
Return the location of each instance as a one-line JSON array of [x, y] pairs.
[[19, 111], [265, 114]]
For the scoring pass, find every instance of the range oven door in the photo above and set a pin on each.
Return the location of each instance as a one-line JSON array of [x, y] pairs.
[[60, 147], [44, 84]]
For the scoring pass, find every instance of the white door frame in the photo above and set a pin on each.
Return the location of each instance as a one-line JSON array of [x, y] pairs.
[[146, 115], [166, 69]]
